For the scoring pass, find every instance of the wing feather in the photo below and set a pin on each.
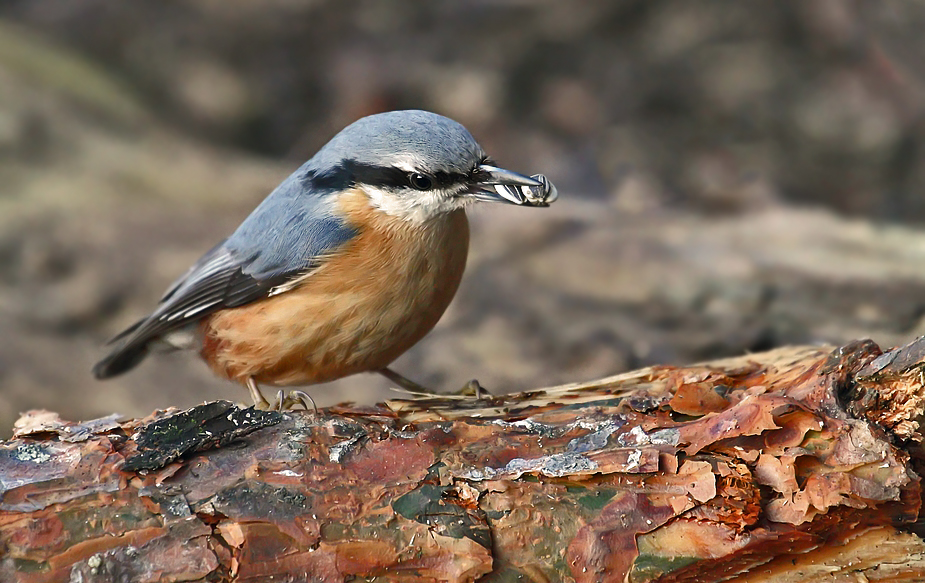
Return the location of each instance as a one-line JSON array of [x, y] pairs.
[[267, 251]]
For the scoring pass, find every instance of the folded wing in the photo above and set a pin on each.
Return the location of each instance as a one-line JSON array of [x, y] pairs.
[[291, 233]]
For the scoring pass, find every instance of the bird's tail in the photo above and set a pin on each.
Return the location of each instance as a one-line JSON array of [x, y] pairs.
[[120, 360], [124, 357]]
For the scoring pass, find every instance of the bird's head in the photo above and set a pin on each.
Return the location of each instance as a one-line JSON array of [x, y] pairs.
[[418, 165]]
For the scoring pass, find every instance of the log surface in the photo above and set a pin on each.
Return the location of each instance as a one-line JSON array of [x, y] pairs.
[[795, 465]]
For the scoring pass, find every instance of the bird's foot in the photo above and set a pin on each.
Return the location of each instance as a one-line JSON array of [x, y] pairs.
[[474, 389], [290, 400]]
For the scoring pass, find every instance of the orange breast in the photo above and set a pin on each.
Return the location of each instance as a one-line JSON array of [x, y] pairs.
[[357, 312]]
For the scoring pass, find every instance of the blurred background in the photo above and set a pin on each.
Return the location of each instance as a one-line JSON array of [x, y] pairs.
[[732, 176]]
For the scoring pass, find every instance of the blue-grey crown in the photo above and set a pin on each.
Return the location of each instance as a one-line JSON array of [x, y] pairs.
[[435, 142]]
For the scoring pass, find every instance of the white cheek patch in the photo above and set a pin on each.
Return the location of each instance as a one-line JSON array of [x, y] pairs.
[[415, 206]]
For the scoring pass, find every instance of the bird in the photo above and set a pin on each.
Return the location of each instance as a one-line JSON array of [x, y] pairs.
[[343, 267]]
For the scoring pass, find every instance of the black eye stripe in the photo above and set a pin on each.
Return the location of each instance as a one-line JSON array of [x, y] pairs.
[[350, 173]]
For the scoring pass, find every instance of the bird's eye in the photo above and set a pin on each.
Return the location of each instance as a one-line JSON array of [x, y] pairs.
[[420, 181]]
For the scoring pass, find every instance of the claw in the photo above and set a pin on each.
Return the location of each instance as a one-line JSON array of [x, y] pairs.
[[300, 397], [288, 402]]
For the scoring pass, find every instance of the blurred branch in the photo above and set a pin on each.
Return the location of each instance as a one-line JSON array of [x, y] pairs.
[[788, 465]]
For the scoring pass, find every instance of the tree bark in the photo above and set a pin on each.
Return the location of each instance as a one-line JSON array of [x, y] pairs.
[[795, 465]]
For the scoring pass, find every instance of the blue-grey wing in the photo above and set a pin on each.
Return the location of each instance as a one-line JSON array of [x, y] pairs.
[[289, 234]]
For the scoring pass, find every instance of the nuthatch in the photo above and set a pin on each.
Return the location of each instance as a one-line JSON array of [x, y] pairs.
[[343, 267]]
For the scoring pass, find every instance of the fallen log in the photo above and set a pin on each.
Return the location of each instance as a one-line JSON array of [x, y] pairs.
[[798, 465]]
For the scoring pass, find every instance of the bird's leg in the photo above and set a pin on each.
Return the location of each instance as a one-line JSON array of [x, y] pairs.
[[293, 398], [405, 383], [472, 388], [259, 401]]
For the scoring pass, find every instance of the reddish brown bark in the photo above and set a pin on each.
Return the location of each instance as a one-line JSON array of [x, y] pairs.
[[791, 465]]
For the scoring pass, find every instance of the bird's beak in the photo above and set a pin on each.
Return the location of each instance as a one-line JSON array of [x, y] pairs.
[[499, 185]]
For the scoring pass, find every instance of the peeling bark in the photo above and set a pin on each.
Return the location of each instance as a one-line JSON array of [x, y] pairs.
[[796, 465]]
